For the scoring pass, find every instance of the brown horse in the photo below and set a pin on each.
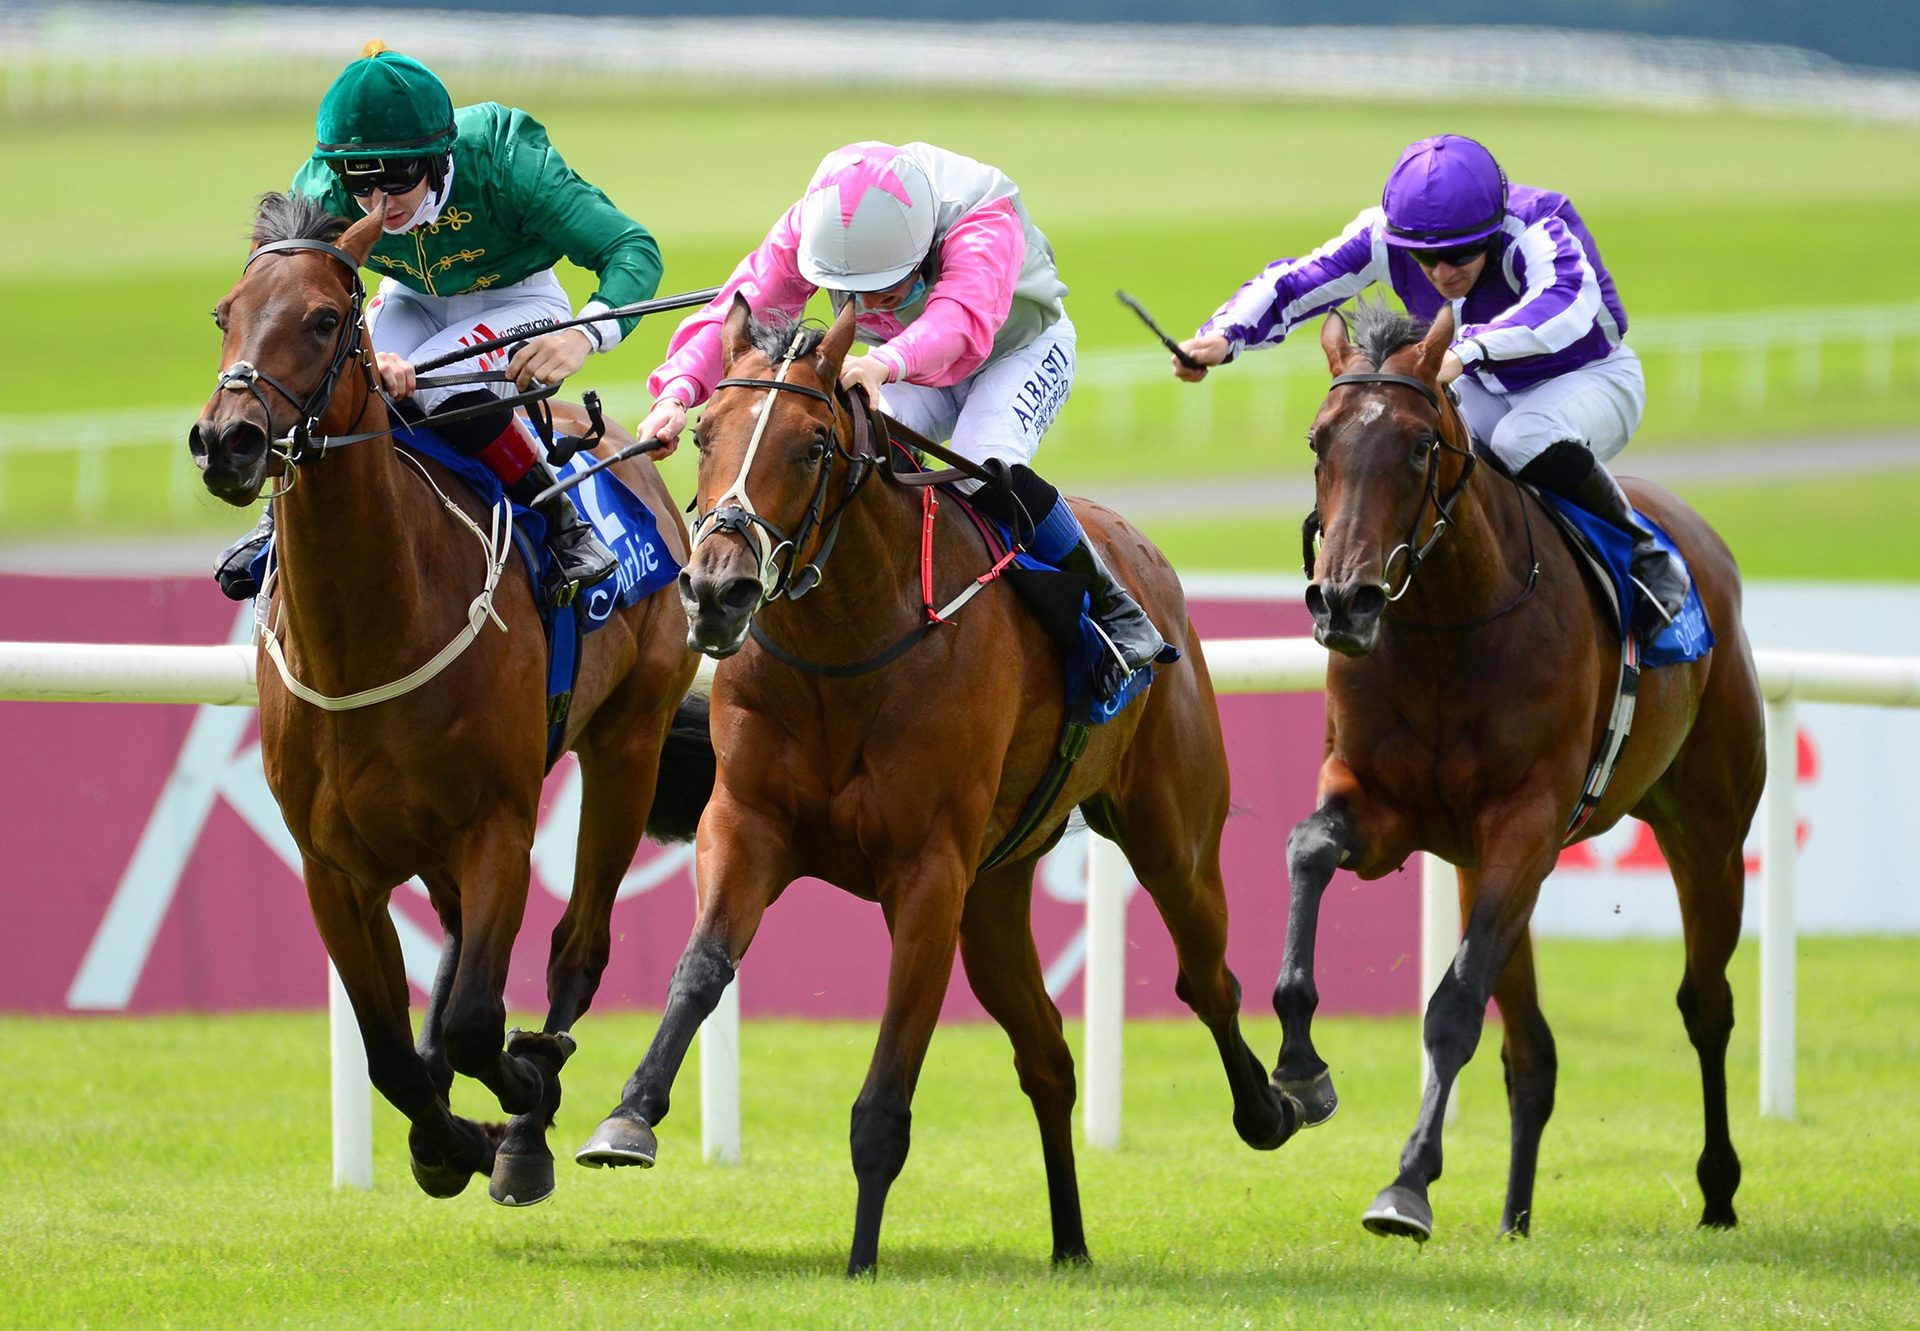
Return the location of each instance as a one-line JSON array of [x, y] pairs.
[[444, 780], [1464, 706], [896, 783]]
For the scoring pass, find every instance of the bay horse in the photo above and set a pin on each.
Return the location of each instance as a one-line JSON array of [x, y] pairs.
[[1464, 706], [442, 781], [896, 782]]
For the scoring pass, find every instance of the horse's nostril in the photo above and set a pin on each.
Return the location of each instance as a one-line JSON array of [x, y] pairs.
[[1367, 601], [740, 595], [1316, 601]]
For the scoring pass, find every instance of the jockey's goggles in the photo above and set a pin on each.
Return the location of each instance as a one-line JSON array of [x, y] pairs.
[[1459, 256], [389, 175]]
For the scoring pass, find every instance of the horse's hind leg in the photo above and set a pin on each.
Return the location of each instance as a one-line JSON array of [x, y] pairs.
[[996, 946], [1711, 883], [359, 936], [1527, 1053], [1184, 881], [618, 769]]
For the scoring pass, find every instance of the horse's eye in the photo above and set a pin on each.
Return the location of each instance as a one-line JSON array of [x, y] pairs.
[[1421, 448], [328, 321], [220, 321]]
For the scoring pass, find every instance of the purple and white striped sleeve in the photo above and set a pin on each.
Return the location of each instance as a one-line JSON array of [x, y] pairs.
[[1557, 309], [1290, 291]]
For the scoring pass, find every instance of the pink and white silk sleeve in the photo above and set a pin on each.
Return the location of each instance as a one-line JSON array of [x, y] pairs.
[[769, 278], [980, 261]]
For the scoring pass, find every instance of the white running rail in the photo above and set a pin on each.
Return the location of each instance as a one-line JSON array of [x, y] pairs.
[[73, 672]]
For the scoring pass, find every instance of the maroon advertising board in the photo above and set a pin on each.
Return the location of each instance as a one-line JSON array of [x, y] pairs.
[[145, 867]]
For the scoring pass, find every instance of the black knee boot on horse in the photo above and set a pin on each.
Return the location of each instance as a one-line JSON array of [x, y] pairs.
[[1026, 501], [1569, 469]]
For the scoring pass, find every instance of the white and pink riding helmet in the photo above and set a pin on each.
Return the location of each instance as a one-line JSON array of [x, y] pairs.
[[867, 219]]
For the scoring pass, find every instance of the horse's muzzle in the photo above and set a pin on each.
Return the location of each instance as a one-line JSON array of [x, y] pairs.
[[231, 456], [719, 609], [1346, 616]]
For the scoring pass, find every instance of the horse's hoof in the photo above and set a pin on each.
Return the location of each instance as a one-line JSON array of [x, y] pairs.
[[619, 1140], [1315, 1096], [1400, 1213], [521, 1180], [439, 1179], [1271, 1135], [521, 1044]]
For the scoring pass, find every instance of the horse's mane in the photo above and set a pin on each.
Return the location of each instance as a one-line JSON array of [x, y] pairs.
[[1379, 331], [773, 332], [294, 217]]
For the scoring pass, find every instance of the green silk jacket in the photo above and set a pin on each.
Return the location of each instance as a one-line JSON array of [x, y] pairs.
[[516, 209]]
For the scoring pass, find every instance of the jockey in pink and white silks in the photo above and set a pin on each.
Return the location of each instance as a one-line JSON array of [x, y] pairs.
[[957, 296], [1539, 363]]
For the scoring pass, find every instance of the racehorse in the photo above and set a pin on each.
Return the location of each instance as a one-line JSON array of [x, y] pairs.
[[377, 569], [895, 773], [1472, 679]]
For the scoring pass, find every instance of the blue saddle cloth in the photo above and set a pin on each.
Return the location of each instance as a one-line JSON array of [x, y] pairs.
[[619, 518], [1084, 648], [1690, 636]]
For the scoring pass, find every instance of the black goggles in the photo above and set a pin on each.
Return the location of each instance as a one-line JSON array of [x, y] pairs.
[[389, 175], [1459, 256]]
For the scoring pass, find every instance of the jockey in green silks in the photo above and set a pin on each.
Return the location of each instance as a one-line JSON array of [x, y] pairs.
[[478, 207]]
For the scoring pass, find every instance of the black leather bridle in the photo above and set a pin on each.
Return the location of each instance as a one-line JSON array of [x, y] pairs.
[[244, 376]]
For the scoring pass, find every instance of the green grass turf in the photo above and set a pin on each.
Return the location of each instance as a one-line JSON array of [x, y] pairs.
[[1180, 199], [174, 1171]]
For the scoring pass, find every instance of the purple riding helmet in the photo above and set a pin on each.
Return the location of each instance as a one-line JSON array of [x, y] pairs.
[[1445, 192]]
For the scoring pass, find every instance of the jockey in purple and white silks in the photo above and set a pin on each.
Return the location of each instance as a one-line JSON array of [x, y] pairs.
[[956, 293], [1539, 363]]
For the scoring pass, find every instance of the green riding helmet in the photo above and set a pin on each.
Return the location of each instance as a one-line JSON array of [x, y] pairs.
[[384, 105]]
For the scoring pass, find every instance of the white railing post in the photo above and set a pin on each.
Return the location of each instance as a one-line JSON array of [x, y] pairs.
[[352, 1091], [1777, 931], [1439, 940], [720, 1079], [1104, 989]]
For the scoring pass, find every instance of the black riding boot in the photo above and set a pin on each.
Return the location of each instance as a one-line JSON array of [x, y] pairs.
[[583, 559], [1569, 469], [233, 570], [1132, 636]]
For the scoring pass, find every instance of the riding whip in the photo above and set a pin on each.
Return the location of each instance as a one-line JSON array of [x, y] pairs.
[[1159, 332], [684, 301]]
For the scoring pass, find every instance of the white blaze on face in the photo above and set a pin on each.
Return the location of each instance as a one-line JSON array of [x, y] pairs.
[[1370, 411]]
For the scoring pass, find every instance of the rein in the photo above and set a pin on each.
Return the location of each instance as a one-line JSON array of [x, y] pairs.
[[872, 448]]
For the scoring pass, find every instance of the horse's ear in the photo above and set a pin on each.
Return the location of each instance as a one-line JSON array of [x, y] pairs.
[[1334, 341], [839, 339], [734, 334], [358, 239], [1434, 346]]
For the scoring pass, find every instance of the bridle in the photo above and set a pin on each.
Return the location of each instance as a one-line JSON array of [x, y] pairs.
[[734, 511], [243, 376], [1442, 505]]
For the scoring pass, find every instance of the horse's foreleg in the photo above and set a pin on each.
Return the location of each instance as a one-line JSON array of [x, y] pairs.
[[923, 909], [359, 936], [1315, 848], [432, 1044], [742, 867], [1531, 1066], [1519, 844], [996, 946]]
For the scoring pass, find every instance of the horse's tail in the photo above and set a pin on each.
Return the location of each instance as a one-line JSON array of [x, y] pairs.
[[686, 773]]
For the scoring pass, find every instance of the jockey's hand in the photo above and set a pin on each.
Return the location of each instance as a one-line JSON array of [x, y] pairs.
[[1450, 369], [396, 374], [868, 372], [1209, 350], [550, 358], [665, 422]]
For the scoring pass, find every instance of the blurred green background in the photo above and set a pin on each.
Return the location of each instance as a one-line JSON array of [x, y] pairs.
[[1759, 258]]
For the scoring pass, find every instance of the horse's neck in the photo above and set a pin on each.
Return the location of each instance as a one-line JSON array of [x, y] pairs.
[[869, 591], [1479, 566], [349, 550]]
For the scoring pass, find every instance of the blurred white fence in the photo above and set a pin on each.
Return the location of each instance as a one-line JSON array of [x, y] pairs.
[[1757, 356], [65, 59]]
